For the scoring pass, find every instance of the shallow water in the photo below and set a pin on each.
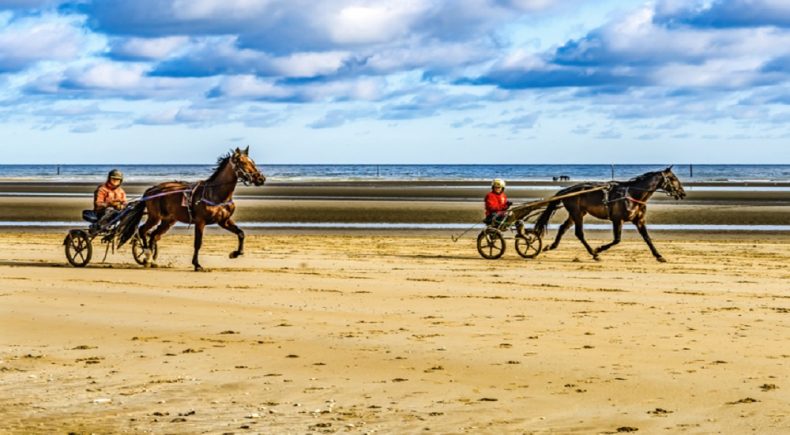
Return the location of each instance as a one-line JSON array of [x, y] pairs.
[[286, 173]]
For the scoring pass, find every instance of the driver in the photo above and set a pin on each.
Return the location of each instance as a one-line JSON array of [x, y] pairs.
[[496, 202], [109, 198]]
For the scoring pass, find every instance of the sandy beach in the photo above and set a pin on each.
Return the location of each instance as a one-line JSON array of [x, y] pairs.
[[320, 331], [335, 333]]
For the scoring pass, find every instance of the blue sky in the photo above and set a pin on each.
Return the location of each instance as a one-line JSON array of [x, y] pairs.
[[395, 81]]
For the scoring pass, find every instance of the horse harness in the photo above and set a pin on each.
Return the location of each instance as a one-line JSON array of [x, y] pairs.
[[626, 196], [240, 174], [190, 190]]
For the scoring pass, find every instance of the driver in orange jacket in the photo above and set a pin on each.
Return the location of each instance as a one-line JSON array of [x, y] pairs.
[[109, 198], [496, 202]]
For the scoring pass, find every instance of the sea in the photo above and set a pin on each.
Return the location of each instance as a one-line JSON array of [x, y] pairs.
[[299, 173]]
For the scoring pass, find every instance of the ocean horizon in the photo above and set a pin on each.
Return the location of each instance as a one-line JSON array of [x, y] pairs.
[[400, 172]]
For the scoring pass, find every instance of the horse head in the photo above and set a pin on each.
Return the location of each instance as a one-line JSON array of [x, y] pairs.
[[245, 167], [671, 184]]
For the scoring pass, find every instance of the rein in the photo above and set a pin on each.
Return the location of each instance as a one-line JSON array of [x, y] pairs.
[[194, 186]]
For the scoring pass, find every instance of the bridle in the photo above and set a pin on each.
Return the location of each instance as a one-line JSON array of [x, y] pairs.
[[241, 173], [668, 187]]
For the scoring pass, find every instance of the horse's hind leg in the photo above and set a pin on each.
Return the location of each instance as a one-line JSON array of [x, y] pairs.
[[150, 222], [157, 235], [232, 227], [564, 227], [640, 226], [617, 229]]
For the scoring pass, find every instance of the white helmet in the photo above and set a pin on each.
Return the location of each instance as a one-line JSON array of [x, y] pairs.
[[498, 182]]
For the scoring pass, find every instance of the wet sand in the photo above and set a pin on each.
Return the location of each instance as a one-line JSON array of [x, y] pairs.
[[326, 333], [397, 202]]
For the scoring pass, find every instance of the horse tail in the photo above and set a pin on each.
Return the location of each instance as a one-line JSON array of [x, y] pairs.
[[543, 220], [130, 222]]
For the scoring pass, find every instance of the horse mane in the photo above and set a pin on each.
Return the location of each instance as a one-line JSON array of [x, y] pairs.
[[640, 178], [222, 161]]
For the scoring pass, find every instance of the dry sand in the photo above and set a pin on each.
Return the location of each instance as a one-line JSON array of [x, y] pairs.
[[357, 333]]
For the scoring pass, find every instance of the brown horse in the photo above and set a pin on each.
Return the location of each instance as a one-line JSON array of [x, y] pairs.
[[619, 201], [203, 203]]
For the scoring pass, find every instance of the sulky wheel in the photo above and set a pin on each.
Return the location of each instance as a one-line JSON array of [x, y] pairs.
[[78, 248], [528, 244], [490, 244], [138, 251]]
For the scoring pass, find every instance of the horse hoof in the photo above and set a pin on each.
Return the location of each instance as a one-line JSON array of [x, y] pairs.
[[661, 259], [199, 269], [596, 258], [236, 254]]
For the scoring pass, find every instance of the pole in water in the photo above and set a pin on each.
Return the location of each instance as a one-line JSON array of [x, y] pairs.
[[691, 171], [58, 169], [612, 171]]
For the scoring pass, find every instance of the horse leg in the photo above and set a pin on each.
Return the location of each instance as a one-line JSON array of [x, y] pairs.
[[640, 226], [150, 222], [564, 227], [578, 221], [199, 227], [617, 229], [156, 236], [233, 228]]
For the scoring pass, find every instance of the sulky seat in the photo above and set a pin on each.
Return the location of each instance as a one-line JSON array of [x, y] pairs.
[[90, 216]]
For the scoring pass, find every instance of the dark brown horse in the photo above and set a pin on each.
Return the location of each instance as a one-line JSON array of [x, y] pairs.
[[203, 203], [618, 202]]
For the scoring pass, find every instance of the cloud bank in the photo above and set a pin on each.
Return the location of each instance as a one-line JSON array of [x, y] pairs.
[[396, 60]]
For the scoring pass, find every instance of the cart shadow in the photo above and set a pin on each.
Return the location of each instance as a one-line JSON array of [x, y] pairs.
[[52, 264], [438, 257]]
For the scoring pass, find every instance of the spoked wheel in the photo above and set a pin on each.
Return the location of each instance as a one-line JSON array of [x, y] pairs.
[[490, 244], [78, 248], [528, 244], [138, 251]]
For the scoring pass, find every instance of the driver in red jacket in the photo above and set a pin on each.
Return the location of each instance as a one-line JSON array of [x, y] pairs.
[[496, 202]]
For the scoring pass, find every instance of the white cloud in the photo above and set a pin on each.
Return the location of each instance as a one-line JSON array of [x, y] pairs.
[[309, 64], [107, 76], [375, 22], [27, 41], [251, 87], [148, 48], [224, 9]]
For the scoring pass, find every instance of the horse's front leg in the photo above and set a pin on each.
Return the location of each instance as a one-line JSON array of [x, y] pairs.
[[642, 228], [233, 228], [199, 227], [617, 229]]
